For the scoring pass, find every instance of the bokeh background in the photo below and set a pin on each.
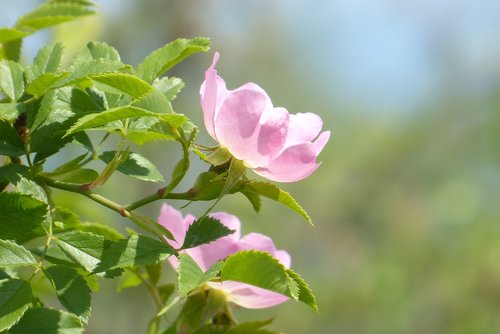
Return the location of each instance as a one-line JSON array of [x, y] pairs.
[[406, 202]]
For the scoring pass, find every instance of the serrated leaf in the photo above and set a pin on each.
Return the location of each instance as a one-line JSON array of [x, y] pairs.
[[134, 251], [11, 34], [11, 172], [44, 82], [203, 231], [11, 143], [15, 297], [11, 79], [47, 60], [104, 230], [259, 269], [135, 166], [47, 321], [273, 192], [304, 291], [169, 87], [123, 83], [71, 289], [84, 248], [14, 255], [162, 59], [190, 276], [53, 13], [19, 215], [86, 70], [10, 111], [96, 50], [141, 137], [41, 113], [28, 187]]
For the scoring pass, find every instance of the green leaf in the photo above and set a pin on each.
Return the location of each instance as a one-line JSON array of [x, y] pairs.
[[86, 70], [219, 157], [208, 186], [271, 191], [41, 113], [11, 172], [11, 79], [305, 293], [115, 114], [47, 60], [96, 50], [101, 229], [71, 289], [11, 50], [47, 321], [259, 269], [14, 255], [252, 327], [150, 225], [10, 111], [11, 34], [134, 251], [11, 143], [204, 231], [129, 279], [162, 59], [15, 297], [141, 137], [190, 276], [169, 87], [135, 166], [79, 175], [154, 272], [122, 83], [19, 215], [84, 248], [53, 13], [44, 82]]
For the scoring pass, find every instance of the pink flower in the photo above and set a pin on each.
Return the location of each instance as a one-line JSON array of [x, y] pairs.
[[277, 145], [208, 254]]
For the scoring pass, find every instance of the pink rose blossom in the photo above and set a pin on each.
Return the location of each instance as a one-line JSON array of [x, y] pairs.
[[206, 255], [277, 145]]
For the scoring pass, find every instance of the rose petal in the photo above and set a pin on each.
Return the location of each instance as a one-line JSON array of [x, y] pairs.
[[320, 143], [257, 241], [273, 132], [237, 123], [249, 296], [303, 128], [283, 257], [293, 164], [212, 92], [207, 254], [173, 221]]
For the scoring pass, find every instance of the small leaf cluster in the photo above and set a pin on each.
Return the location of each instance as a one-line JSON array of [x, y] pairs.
[[45, 107]]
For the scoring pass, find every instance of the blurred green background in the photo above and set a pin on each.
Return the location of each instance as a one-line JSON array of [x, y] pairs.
[[406, 202]]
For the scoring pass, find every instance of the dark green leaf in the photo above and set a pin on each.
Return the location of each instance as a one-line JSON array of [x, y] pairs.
[[273, 192], [47, 321], [14, 255], [154, 272], [11, 50], [11, 143], [71, 289], [135, 166], [134, 251], [207, 186], [15, 297], [164, 58], [204, 231], [84, 248], [37, 116], [19, 215], [11, 79], [11, 172]]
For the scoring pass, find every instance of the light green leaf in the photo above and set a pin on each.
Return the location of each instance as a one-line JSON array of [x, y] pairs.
[[79, 175], [259, 269], [129, 279], [106, 231], [134, 251], [141, 137], [44, 82], [135, 166], [10, 111], [14, 255], [304, 291], [47, 60], [169, 87], [190, 276], [53, 13], [11, 34], [19, 215], [47, 321], [204, 231], [122, 83], [11, 143], [273, 192], [11, 79], [15, 297], [96, 50], [41, 113], [162, 59], [85, 71], [71, 289], [84, 248]]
